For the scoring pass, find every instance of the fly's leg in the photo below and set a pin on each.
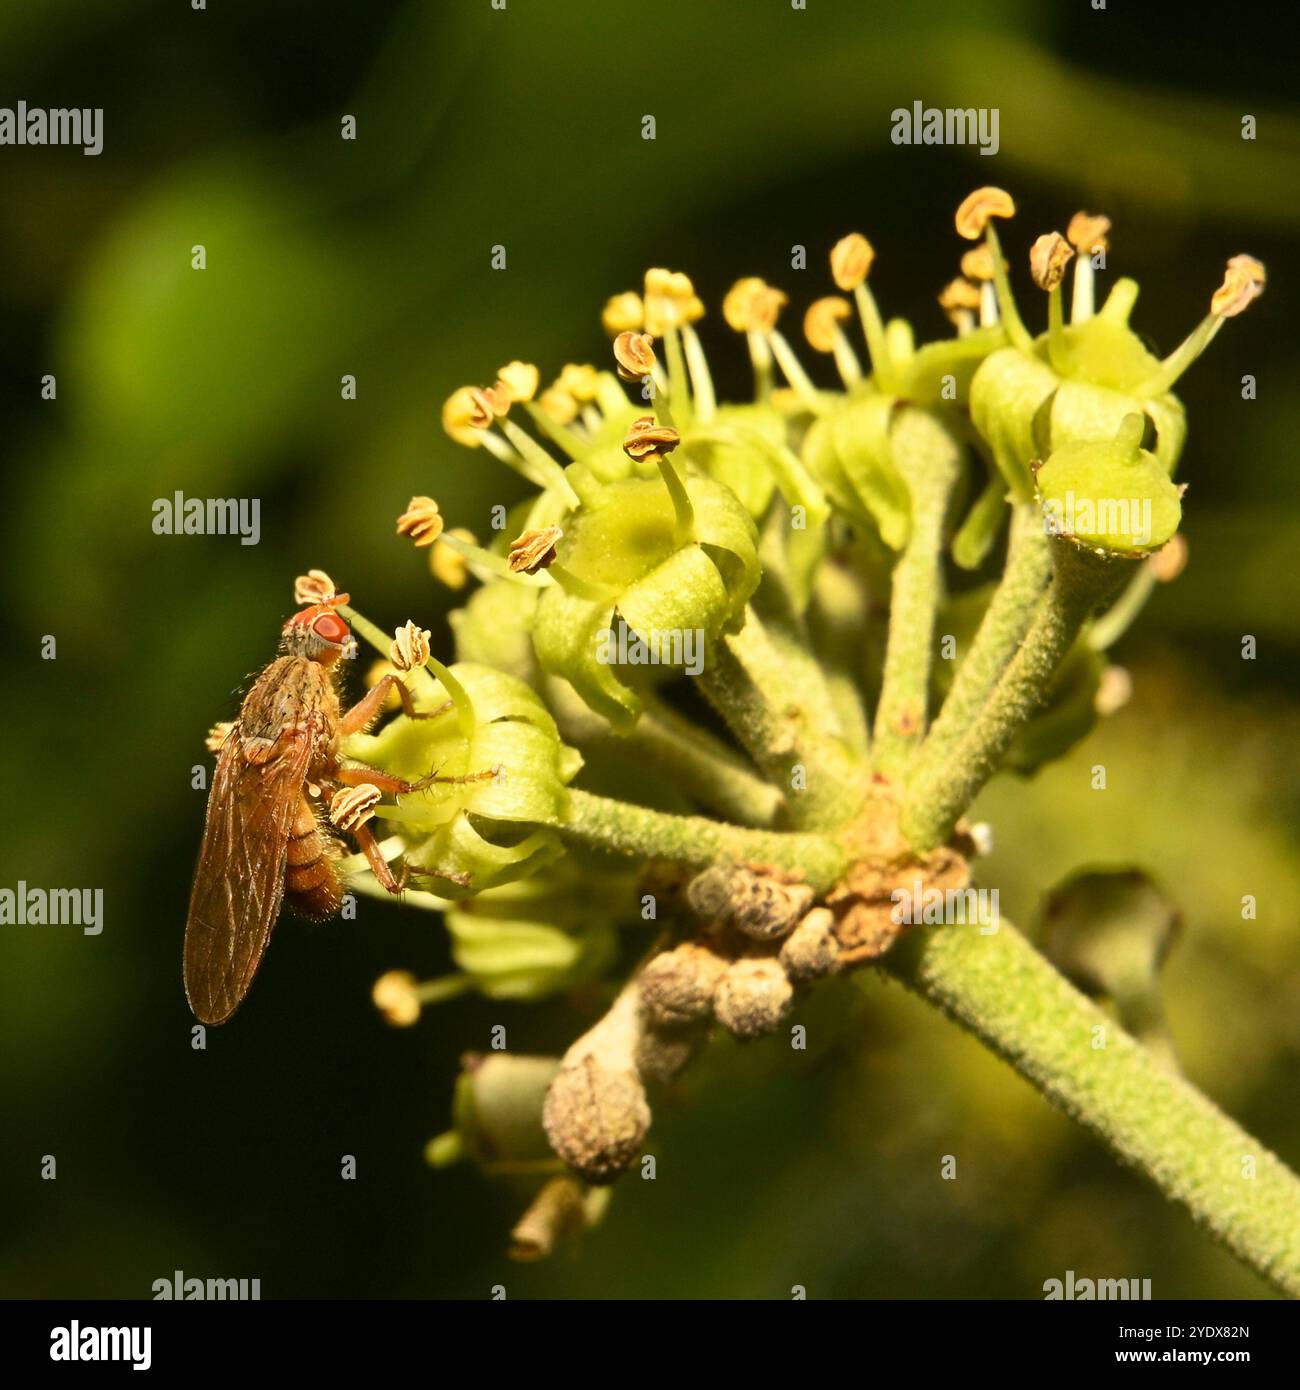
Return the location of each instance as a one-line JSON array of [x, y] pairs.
[[367, 708], [369, 846], [357, 774]]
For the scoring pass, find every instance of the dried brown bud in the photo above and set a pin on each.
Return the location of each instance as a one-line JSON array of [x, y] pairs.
[[851, 260], [421, 521], [410, 647], [678, 985], [1087, 232], [1048, 257], [760, 902], [822, 320], [623, 313], [520, 380], [313, 587], [811, 951], [395, 996], [352, 807], [595, 1114], [534, 550], [218, 734], [647, 439], [977, 208], [753, 997], [634, 355]]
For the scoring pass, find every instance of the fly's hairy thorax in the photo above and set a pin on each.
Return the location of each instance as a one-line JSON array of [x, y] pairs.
[[294, 697]]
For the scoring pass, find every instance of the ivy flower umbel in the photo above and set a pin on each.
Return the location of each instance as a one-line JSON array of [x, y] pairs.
[[806, 536]]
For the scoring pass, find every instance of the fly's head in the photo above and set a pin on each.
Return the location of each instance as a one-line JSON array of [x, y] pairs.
[[319, 633]]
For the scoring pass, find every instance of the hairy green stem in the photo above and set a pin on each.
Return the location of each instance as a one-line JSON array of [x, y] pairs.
[[702, 765], [1028, 568], [936, 797], [636, 830], [1005, 993], [928, 458], [775, 702]]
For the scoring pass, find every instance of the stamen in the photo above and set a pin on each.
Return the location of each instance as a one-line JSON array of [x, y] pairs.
[[701, 378], [1048, 257], [410, 649], [821, 327], [1243, 283], [1087, 233], [534, 550], [851, 260], [421, 521], [959, 299], [447, 564], [623, 313], [520, 380]]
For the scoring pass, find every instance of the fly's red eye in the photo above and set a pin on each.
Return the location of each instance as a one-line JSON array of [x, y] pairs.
[[330, 628]]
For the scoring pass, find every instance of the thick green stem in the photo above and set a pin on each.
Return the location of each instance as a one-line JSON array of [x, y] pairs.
[[1007, 618], [928, 458], [637, 830], [706, 768], [1001, 989], [937, 796], [779, 709]]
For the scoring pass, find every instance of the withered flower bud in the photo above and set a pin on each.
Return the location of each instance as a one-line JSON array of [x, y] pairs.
[[421, 521], [753, 997], [759, 902], [811, 951], [595, 1113], [977, 208], [534, 550], [678, 985]]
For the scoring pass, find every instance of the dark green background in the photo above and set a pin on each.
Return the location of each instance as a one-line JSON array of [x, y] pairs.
[[522, 127]]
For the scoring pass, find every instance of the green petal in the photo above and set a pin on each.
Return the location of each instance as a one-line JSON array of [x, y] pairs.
[[1005, 396]]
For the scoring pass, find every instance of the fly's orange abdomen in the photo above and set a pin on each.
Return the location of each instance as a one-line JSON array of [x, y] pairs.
[[312, 885]]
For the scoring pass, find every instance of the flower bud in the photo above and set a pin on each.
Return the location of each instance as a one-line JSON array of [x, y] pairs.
[[623, 313], [520, 380], [820, 323], [811, 950], [396, 998], [754, 997], [678, 985]]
